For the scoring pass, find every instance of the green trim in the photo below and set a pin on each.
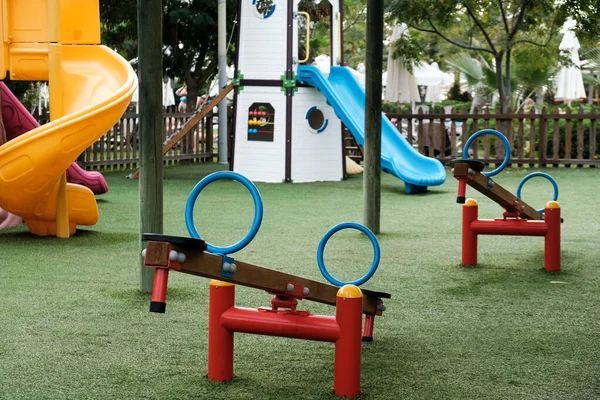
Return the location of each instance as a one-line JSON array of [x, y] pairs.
[[288, 84], [237, 81]]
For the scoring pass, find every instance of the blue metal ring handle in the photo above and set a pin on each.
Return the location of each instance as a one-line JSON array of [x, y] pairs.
[[258, 210], [543, 175], [499, 136], [321, 249]]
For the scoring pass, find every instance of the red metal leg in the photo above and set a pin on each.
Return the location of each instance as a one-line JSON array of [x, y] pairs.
[[552, 241], [462, 190], [346, 375], [220, 340], [369, 326], [469, 238], [159, 290]]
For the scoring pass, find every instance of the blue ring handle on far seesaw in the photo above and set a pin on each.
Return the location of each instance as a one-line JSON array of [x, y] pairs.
[[321, 250], [499, 136], [543, 175], [258, 210]]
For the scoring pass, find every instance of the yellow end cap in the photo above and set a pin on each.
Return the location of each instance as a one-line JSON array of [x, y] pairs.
[[470, 203], [552, 204], [349, 292], [216, 282]]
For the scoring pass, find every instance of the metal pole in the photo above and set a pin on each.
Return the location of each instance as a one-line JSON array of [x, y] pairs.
[[222, 53]]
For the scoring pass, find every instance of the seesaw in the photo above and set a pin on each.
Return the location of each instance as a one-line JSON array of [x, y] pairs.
[[196, 257], [519, 218]]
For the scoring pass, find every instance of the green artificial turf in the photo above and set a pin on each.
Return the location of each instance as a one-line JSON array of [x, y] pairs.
[[74, 326]]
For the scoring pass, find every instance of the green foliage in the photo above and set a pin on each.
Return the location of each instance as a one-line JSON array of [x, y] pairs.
[[354, 30], [455, 94], [462, 105], [320, 26], [408, 50], [119, 26], [189, 37], [500, 32], [526, 77]]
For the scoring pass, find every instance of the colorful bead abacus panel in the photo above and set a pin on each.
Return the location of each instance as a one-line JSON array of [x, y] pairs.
[[261, 122]]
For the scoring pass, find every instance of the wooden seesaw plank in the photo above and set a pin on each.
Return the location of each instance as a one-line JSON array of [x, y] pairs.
[[208, 265], [173, 140], [494, 191]]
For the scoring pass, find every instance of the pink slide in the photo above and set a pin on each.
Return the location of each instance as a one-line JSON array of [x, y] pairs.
[[17, 120]]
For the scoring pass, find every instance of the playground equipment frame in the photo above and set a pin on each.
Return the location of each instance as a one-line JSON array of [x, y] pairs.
[[519, 218], [282, 319]]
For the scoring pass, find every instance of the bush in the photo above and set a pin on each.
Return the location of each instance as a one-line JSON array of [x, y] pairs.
[[454, 92]]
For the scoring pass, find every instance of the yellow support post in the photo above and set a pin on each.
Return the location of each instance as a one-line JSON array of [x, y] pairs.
[[3, 42], [57, 111]]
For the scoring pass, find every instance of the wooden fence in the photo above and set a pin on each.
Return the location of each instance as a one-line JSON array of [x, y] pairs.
[[119, 147], [537, 138]]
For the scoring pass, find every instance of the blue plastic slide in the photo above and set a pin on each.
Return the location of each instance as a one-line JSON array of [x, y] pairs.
[[398, 157]]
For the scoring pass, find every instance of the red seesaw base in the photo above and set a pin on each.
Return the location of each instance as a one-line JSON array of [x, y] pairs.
[[513, 225], [344, 330], [165, 253]]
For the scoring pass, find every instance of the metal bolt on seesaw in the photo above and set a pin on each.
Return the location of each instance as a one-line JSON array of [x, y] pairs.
[[519, 218], [196, 257]]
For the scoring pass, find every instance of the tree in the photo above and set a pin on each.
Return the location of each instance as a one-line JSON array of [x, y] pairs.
[[354, 29], [355, 32], [496, 29], [118, 21], [530, 72], [189, 37]]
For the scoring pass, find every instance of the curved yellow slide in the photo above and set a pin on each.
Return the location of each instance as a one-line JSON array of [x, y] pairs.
[[92, 88]]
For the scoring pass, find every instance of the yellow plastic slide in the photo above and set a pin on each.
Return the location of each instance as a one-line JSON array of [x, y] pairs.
[[90, 88]]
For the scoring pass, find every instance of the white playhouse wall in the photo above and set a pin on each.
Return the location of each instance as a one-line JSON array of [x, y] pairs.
[[315, 156], [263, 42], [260, 161], [263, 56]]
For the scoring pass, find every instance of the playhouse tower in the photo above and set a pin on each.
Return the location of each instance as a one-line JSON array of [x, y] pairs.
[[283, 132]]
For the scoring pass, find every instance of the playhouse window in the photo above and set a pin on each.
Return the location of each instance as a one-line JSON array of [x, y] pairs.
[[316, 119]]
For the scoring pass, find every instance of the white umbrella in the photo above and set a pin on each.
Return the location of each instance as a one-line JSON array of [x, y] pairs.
[[431, 76], [168, 96], [323, 62], [168, 92], [569, 81], [400, 84]]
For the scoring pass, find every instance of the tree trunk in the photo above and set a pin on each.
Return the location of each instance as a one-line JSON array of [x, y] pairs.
[[508, 89], [500, 81], [503, 87], [192, 89]]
